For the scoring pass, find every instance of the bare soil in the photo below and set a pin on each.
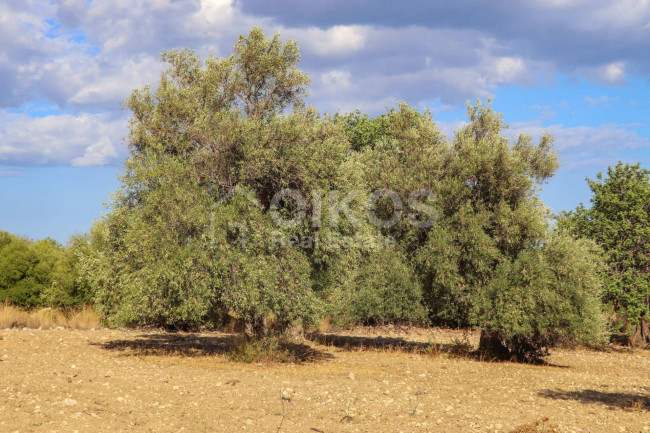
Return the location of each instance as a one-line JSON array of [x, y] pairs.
[[109, 380]]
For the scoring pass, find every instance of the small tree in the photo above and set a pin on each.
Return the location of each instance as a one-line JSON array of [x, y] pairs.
[[489, 261], [488, 212], [545, 295], [619, 221]]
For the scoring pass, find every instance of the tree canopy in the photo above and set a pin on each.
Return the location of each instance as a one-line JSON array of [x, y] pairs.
[[237, 202], [619, 222]]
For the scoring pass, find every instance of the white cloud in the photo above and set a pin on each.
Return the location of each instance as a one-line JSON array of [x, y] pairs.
[[100, 153], [606, 138], [577, 144], [450, 128], [337, 40], [509, 69], [85, 139], [610, 74], [601, 100], [106, 86], [106, 48], [213, 14], [339, 80], [614, 73]]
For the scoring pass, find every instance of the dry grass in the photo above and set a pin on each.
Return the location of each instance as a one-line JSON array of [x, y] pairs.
[[324, 324], [86, 318], [48, 318], [12, 317]]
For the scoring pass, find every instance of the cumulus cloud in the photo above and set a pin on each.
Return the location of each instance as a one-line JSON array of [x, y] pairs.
[[24, 44], [111, 85], [336, 40], [100, 153], [570, 34], [610, 74], [85, 139], [580, 145], [87, 56]]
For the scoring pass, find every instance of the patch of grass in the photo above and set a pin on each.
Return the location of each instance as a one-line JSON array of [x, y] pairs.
[[86, 318], [12, 317], [271, 349], [433, 346], [266, 349], [324, 324], [47, 318], [460, 348]]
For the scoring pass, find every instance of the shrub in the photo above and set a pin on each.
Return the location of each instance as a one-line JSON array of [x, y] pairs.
[[69, 288], [544, 295], [37, 273]]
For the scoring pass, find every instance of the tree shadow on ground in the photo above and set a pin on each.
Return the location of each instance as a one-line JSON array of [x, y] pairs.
[[458, 349], [347, 342], [232, 345], [629, 401]]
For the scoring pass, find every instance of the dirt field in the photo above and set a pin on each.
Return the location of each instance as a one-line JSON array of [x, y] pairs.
[[108, 380]]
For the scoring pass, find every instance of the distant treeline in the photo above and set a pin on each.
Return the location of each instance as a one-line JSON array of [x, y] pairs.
[[41, 273]]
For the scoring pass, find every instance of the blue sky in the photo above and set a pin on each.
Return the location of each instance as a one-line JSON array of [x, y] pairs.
[[578, 68]]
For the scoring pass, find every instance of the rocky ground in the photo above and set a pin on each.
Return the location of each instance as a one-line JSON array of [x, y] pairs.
[[109, 380]]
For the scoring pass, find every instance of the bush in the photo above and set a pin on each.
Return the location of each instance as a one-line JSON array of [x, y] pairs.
[[545, 295], [69, 288], [37, 273]]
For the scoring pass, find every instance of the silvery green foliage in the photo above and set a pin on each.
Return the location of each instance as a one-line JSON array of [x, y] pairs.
[[179, 249], [552, 291], [488, 213], [383, 290]]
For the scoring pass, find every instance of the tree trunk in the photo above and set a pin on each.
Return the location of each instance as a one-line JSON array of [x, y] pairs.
[[641, 335], [256, 329], [493, 345]]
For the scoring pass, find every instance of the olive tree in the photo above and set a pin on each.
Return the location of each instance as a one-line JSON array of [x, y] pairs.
[[489, 261], [179, 249]]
